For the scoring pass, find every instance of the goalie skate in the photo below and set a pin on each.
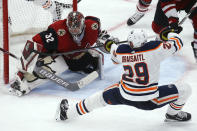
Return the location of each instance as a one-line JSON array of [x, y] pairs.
[[19, 87], [61, 113], [135, 18], [180, 117]]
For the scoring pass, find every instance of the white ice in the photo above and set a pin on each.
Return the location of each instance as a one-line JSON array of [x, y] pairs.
[[35, 111]]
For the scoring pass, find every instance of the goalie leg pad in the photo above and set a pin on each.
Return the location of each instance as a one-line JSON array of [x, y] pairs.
[[29, 57], [25, 82]]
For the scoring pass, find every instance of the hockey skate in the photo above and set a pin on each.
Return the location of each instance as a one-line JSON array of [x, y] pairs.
[[61, 113], [179, 117], [19, 87], [135, 18], [194, 47]]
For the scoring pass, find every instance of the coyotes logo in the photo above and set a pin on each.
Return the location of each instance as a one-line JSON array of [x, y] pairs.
[[95, 26]]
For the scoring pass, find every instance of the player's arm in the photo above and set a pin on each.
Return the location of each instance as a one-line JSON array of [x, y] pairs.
[[48, 39], [106, 40], [170, 47], [169, 9]]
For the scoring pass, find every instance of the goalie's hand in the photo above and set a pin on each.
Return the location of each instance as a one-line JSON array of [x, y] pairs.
[[108, 45]]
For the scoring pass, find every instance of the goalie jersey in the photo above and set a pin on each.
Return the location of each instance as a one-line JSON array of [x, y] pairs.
[[139, 81]]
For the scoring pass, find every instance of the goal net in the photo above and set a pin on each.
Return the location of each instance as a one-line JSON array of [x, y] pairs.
[[25, 19]]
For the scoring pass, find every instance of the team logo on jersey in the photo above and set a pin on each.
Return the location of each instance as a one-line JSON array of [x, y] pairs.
[[94, 26], [61, 32]]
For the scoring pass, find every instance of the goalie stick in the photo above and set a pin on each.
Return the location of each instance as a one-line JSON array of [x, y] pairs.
[[188, 14], [71, 86], [73, 51], [58, 80]]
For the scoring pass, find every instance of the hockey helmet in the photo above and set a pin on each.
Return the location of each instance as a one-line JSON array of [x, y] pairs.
[[75, 22], [137, 38]]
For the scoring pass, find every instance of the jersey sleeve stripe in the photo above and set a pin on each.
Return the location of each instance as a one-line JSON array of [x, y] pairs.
[[83, 103], [176, 107], [178, 42], [77, 107], [81, 108]]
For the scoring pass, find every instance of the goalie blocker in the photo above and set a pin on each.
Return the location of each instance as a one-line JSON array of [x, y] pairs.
[[28, 76]]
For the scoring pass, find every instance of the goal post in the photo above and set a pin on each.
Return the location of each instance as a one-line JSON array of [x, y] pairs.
[[5, 41], [27, 18]]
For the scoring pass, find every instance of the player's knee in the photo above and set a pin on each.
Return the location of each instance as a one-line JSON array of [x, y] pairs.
[[110, 96], [184, 90]]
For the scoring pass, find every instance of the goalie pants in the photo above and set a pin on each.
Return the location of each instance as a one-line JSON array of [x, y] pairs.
[[160, 20], [87, 63]]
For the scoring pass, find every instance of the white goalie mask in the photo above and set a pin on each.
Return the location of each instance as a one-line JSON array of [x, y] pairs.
[[137, 38]]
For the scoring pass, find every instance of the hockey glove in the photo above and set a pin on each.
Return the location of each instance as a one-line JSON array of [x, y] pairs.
[[108, 45], [104, 35], [173, 23], [170, 29]]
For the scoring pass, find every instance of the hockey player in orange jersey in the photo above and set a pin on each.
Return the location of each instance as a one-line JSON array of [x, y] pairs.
[[74, 33], [139, 84]]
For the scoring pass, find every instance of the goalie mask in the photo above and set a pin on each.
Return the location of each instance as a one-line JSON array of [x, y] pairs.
[[76, 25], [137, 38]]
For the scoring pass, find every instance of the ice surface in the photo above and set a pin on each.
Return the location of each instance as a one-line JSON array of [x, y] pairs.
[[35, 111]]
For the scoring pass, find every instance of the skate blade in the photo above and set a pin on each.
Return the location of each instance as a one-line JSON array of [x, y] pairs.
[[57, 114], [175, 121]]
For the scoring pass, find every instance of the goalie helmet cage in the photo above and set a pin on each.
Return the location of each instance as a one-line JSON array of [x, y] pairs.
[[21, 18]]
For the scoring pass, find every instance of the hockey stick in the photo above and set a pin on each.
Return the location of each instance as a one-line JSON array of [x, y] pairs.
[[71, 86], [73, 51], [7, 52], [188, 14], [58, 80]]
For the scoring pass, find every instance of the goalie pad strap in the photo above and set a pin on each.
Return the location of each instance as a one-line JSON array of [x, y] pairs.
[[29, 58]]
